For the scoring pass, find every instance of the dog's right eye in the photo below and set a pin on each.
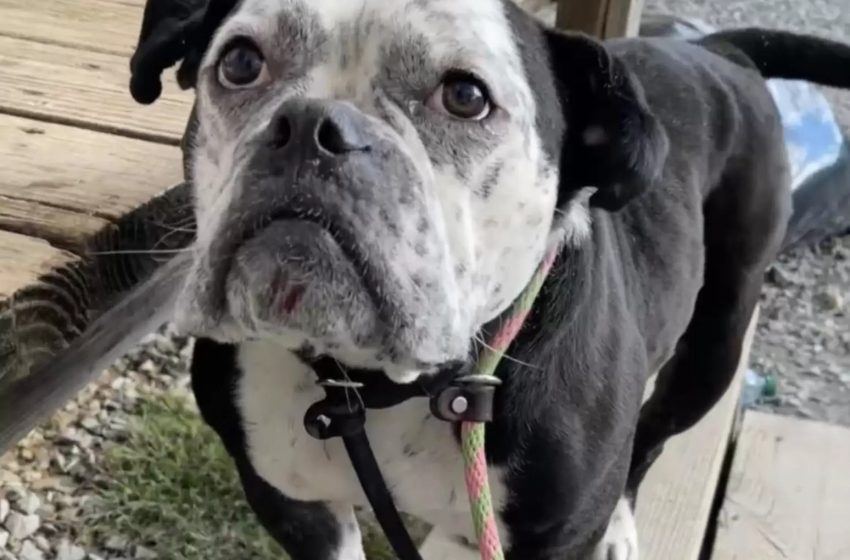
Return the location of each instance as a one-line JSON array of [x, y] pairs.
[[241, 65]]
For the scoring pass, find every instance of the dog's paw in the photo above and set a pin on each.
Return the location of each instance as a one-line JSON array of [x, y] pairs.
[[620, 541]]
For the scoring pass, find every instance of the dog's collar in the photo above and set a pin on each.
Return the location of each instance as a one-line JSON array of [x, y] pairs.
[[455, 396]]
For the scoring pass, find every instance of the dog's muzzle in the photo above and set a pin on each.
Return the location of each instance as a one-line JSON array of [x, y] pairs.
[[319, 239]]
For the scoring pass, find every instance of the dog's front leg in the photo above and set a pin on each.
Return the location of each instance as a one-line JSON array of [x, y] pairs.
[[306, 530], [620, 541]]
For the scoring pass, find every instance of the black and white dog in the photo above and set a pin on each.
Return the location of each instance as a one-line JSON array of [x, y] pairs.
[[376, 181]]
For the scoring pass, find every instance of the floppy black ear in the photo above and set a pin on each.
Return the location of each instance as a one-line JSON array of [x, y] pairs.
[[613, 141], [173, 31]]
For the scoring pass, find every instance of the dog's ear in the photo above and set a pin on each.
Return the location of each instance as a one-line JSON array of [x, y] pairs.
[[613, 141], [173, 31]]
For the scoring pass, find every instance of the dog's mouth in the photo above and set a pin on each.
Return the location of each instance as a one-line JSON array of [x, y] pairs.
[[280, 256], [343, 238]]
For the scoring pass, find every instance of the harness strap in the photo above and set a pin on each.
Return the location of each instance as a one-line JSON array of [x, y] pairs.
[[369, 473], [332, 418]]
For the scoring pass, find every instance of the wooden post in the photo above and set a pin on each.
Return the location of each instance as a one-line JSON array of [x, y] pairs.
[[601, 18]]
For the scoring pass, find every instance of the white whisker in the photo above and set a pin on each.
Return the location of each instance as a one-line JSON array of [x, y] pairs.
[[141, 252], [505, 355]]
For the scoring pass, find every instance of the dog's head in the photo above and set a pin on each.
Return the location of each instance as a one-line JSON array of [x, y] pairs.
[[377, 179]]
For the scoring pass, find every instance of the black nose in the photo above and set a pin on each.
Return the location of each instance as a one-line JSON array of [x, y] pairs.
[[331, 127]]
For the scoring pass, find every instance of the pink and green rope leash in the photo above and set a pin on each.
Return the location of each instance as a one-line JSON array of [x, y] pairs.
[[473, 433]]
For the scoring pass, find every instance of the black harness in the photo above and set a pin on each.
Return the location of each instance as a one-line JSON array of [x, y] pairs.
[[455, 397]]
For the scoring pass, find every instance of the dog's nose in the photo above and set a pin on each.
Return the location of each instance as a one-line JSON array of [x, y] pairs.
[[333, 128]]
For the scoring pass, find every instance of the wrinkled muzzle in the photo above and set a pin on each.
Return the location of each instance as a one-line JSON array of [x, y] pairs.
[[333, 238]]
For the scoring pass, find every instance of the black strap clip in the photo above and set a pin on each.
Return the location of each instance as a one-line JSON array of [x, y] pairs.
[[341, 413], [466, 399]]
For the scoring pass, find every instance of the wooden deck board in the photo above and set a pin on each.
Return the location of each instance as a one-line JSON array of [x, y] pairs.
[[84, 88], [80, 170], [674, 504], [624, 18], [110, 26], [65, 229], [788, 496], [601, 18]]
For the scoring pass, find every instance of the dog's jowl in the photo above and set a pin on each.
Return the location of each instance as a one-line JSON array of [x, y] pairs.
[[376, 181]]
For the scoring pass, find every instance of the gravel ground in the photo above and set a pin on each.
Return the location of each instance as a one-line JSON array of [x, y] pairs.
[[49, 482]]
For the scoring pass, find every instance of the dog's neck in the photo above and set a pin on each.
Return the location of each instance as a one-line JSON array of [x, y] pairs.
[[564, 293]]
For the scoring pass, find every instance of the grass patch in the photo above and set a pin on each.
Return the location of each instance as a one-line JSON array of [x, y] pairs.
[[172, 488]]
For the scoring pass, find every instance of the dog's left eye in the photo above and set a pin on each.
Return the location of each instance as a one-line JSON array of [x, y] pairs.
[[242, 65], [462, 96]]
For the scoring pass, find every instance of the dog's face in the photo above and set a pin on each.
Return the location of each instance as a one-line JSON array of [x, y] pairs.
[[374, 179]]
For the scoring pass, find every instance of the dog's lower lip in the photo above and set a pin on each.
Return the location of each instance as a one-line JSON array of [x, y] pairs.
[[342, 238], [314, 218]]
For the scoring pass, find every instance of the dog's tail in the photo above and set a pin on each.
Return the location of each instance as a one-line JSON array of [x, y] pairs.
[[781, 54]]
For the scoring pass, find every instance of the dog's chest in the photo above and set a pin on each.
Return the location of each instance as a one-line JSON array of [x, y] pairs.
[[418, 454]]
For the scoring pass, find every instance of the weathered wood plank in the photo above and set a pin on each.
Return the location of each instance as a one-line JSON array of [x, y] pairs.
[[601, 18], [674, 504], [110, 26], [84, 88], [623, 18], [80, 170], [64, 229], [788, 496], [587, 16], [676, 497]]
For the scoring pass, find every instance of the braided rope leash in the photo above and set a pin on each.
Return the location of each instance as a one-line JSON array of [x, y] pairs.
[[473, 433]]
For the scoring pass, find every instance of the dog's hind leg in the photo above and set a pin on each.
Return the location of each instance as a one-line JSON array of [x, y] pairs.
[[745, 222], [305, 530]]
